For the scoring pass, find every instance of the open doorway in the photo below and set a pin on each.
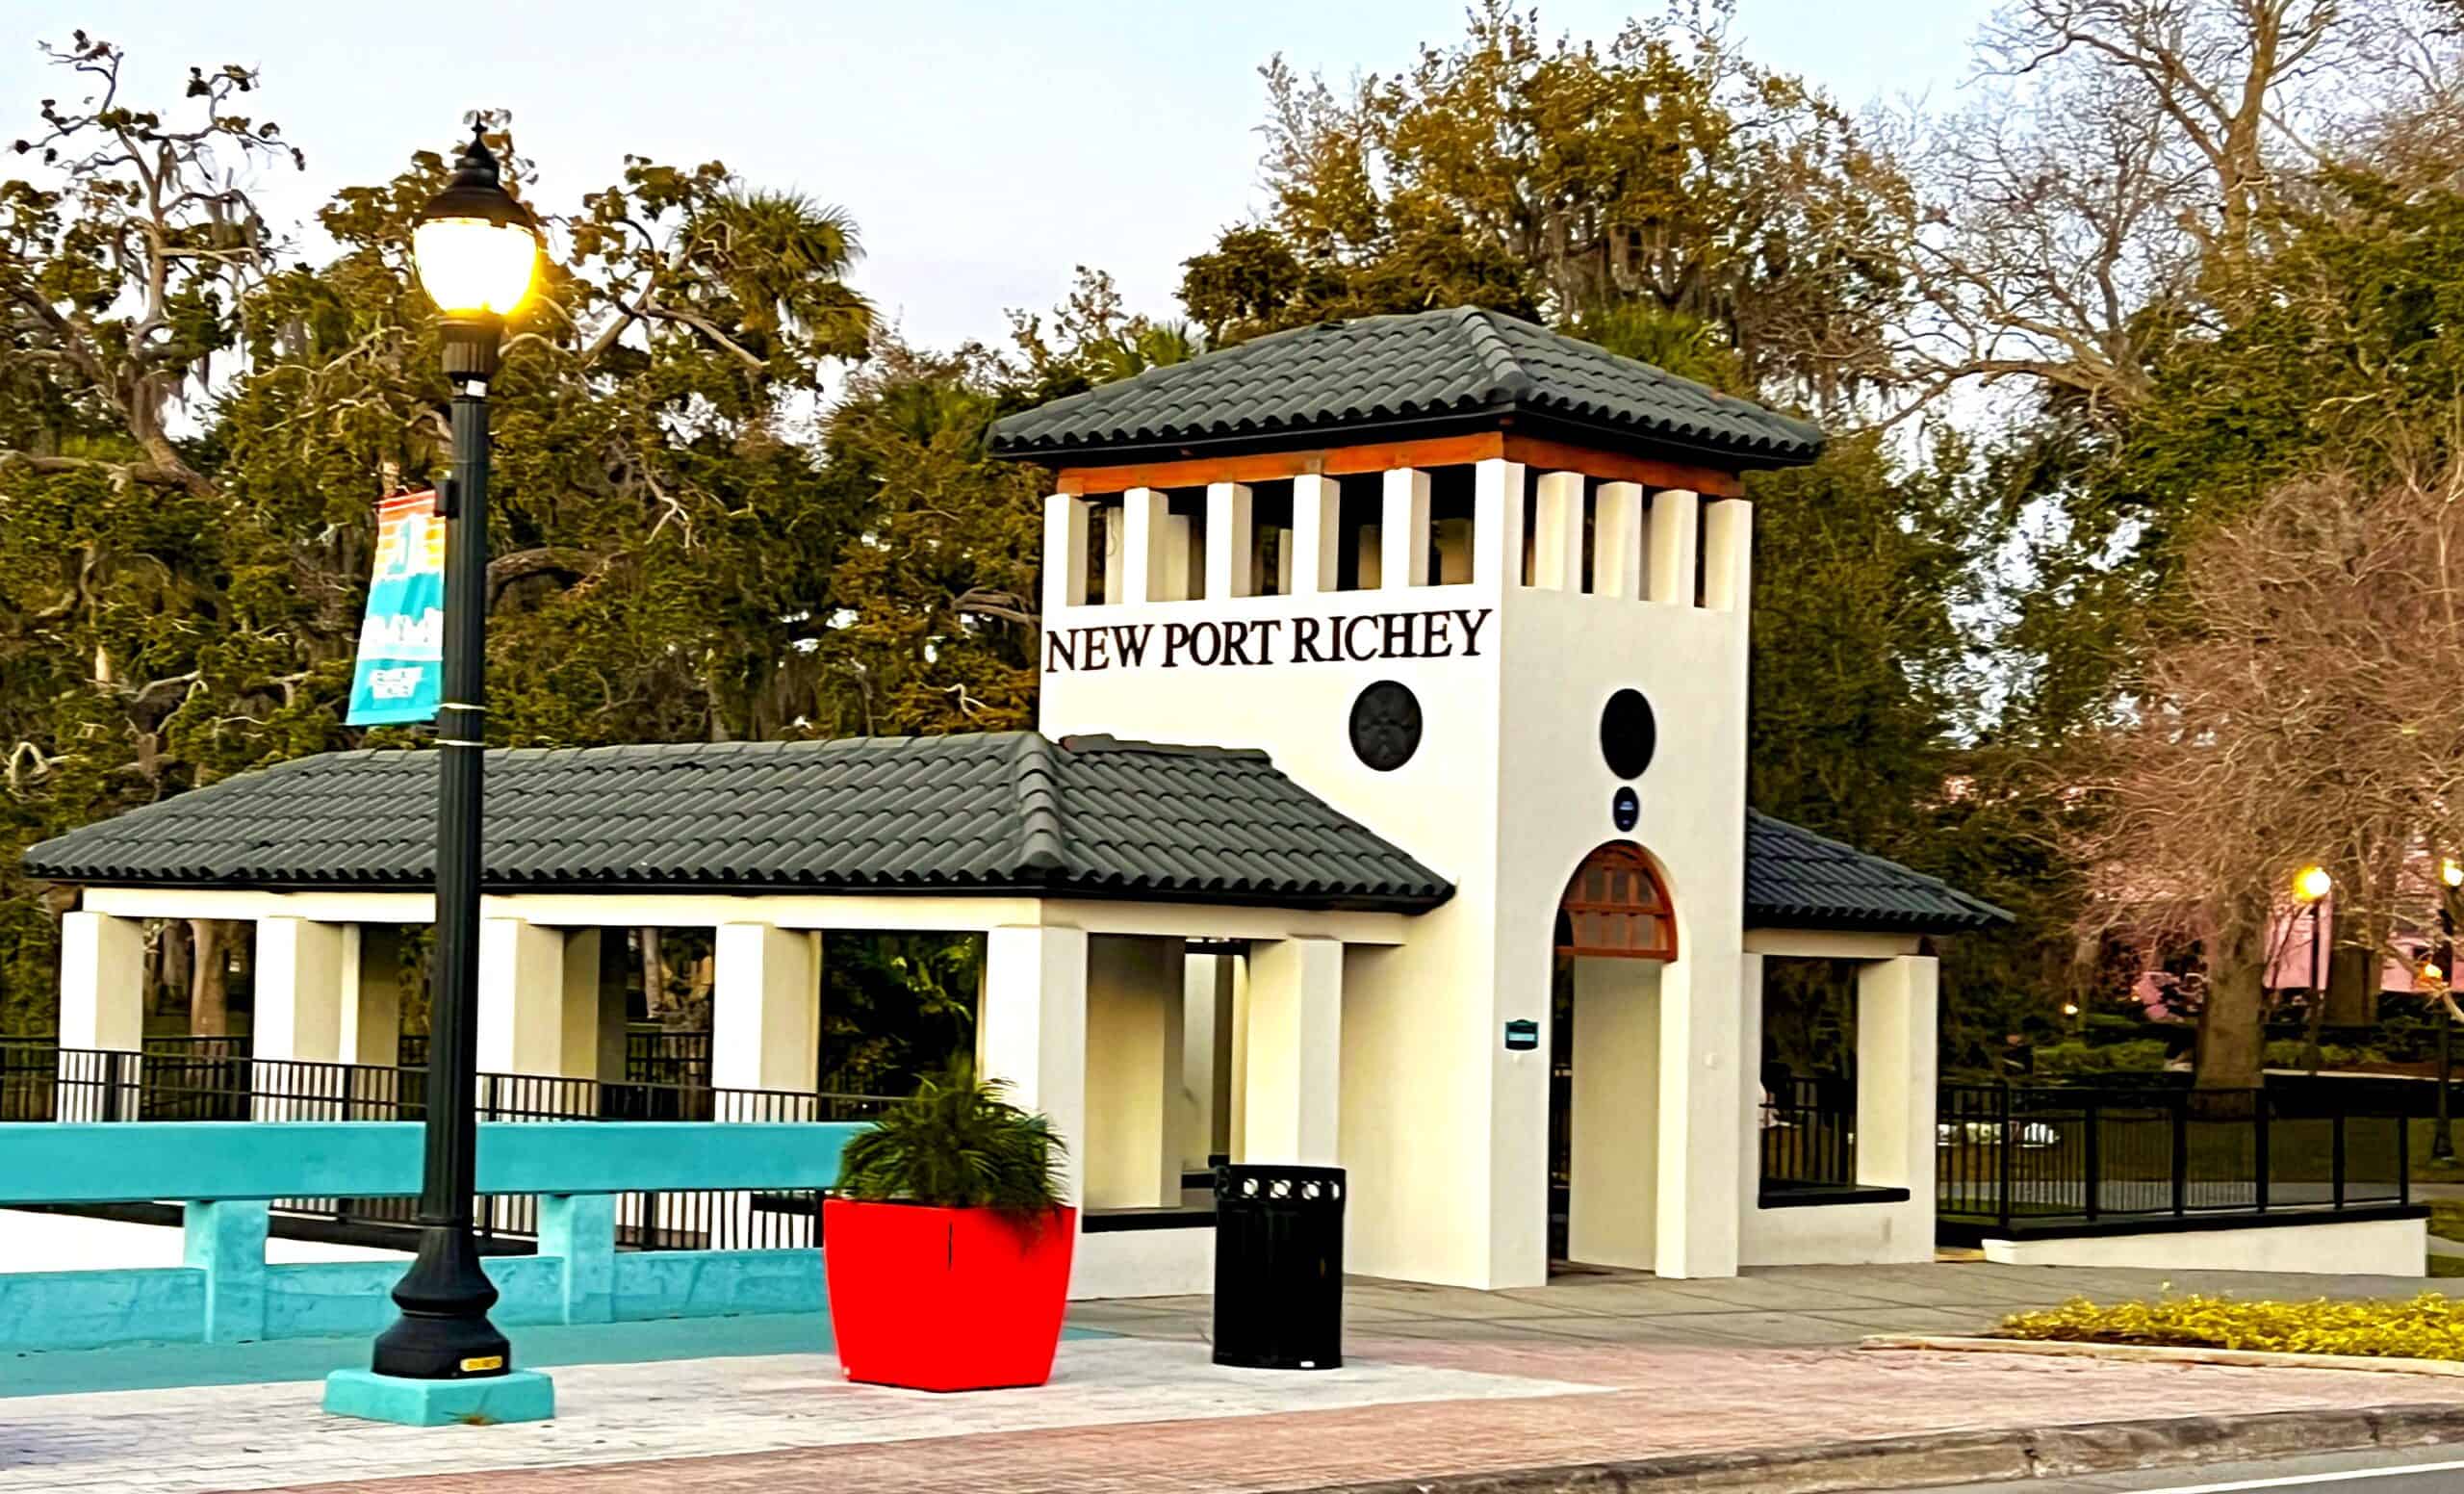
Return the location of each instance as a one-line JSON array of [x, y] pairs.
[[1615, 933]]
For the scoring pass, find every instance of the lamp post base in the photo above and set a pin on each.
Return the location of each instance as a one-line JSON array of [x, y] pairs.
[[444, 1332], [522, 1396]]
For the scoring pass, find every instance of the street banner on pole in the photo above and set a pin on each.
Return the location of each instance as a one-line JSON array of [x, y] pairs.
[[401, 643]]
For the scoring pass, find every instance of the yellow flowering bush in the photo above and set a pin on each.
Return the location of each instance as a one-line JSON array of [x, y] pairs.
[[2428, 1326]]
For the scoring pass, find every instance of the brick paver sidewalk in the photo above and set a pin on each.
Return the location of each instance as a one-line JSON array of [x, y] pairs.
[[1574, 1374]]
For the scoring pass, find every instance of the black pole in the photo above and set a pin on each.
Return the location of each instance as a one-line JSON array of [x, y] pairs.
[[444, 1331], [2442, 1143]]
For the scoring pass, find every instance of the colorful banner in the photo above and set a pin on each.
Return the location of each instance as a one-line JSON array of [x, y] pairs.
[[401, 644]]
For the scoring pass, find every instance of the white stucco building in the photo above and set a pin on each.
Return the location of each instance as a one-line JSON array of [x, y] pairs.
[[1392, 720]]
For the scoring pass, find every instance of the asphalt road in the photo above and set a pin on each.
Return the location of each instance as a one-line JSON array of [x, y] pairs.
[[2436, 1470]]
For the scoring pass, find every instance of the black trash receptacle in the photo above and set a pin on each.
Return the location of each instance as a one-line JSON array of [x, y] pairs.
[[1279, 1267]]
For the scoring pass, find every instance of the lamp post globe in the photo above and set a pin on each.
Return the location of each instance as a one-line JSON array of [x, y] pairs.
[[477, 250]]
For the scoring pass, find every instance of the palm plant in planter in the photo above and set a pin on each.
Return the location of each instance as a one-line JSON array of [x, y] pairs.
[[946, 1243]]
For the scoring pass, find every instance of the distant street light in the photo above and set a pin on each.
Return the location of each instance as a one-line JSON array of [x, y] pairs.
[[477, 250]]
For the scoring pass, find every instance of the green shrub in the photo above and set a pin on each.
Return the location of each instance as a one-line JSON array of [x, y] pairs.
[[956, 1144], [2143, 1055]]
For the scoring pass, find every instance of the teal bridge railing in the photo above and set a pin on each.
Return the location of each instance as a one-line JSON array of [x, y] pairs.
[[581, 1174]]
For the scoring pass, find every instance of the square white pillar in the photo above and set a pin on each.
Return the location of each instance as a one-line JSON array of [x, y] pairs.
[[522, 979], [372, 995], [1291, 1056], [102, 982], [1497, 522], [1617, 541], [1065, 552], [1146, 550], [1403, 525], [765, 1008], [1133, 1030], [1675, 514], [592, 1014], [1556, 537], [1613, 1177], [1231, 541], [1033, 1030], [1205, 1128], [1700, 1070], [299, 990], [1317, 533], [1728, 555], [1896, 1023]]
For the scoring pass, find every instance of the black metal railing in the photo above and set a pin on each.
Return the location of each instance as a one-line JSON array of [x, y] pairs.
[[96, 1084], [29, 1078], [2011, 1156], [1809, 1134], [660, 1055]]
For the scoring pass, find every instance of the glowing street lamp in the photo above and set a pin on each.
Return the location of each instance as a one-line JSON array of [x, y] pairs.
[[477, 250], [2312, 883]]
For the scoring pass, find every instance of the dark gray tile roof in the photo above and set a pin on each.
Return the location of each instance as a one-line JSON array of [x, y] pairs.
[[1087, 817], [1795, 879], [1384, 371], [1006, 812]]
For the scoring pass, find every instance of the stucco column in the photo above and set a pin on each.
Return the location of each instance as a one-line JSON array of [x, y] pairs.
[[1617, 541], [1676, 518], [1403, 527], [1727, 553], [1147, 550], [521, 1008], [1317, 533], [1206, 1058], [1497, 522], [765, 1008], [371, 1027], [1231, 541], [592, 1006], [1613, 1182], [1065, 552], [1700, 1070], [1896, 1019], [301, 972], [1556, 536], [1033, 1030], [1291, 1058], [102, 1006], [1134, 1029]]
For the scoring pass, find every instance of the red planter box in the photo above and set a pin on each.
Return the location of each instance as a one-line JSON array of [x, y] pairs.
[[945, 1299]]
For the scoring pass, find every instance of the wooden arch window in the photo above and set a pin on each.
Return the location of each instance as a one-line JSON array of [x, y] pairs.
[[1616, 907]]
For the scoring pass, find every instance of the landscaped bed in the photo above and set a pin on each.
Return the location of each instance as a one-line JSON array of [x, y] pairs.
[[2427, 1326]]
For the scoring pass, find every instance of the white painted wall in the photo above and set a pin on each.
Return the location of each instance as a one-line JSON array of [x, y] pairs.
[[1444, 1131], [2379, 1247]]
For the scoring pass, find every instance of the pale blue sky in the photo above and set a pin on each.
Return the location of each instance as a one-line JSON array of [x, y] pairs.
[[983, 149]]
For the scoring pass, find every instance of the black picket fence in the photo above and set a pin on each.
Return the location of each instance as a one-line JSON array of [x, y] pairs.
[[40, 1081], [2012, 1157]]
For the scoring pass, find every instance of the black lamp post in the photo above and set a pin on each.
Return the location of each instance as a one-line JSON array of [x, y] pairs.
[[2441, 1142], [477, 250]]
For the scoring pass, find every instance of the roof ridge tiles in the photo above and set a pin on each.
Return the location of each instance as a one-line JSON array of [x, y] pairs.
[[1036, 781]]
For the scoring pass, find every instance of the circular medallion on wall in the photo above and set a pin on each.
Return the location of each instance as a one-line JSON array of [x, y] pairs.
[[1625, 809], [1628, 734], [1386, 726]]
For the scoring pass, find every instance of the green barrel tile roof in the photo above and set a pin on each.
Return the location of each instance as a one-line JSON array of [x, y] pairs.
[[1795, 879], [990, 812], [1464, 367]]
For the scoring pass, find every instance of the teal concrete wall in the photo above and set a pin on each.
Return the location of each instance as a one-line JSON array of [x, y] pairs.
[[226, 1292]]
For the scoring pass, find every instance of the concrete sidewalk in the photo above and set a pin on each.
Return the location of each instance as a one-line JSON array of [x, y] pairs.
[[1596, 1368]]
